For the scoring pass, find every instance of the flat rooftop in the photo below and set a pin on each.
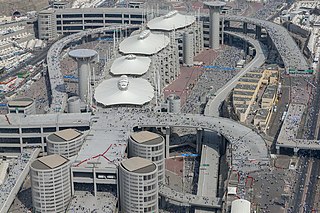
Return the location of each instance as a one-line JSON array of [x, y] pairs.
[[249, 80], [12, 119], [49, 162], [245, 87], [20, 102], [146, 137], [138, 165], [243, 93], [64, 135]]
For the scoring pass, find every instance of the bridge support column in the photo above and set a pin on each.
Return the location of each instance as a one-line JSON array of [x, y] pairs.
[[223, 144], [199, 140], [258, 32], [295, 151], [245, 47], [245, 27], [230, 40], [270, 43], [162, 202], [167, 153], [187, 209], [222, 31], [278, 150], [227, 24]]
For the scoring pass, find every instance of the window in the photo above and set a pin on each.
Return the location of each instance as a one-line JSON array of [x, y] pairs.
[[113, 15], [72, 16], [93, 15]]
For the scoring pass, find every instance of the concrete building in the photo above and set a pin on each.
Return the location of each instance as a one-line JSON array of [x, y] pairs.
[[66, 142], [18, 131], [56, 22], [138, 183], [150, 146], [174, 103], [50, 184], [74, 104], [26, 106], [246, 91]]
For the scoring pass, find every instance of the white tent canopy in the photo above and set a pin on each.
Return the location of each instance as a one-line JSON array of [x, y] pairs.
[[124, 91], [130, 65], [171, 21], [145, 43]]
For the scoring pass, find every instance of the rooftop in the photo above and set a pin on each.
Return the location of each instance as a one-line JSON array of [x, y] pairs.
[[130, 65], [147, 137], [49, 162], [64, 135], [138, 165], [82, 53], [171, 21], [145, 43], [124, 90], [20, 102], [214, 3]]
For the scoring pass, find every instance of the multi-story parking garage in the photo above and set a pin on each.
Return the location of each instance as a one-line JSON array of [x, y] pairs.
[[52, 23]]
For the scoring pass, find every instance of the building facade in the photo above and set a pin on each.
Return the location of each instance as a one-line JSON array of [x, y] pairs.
[[138, 182], [150, 146], [50, 184], [66, 142], [52, 23]]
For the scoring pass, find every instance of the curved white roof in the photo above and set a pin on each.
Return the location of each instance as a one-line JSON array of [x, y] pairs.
[[172, 20], [82, 53], [145, 43], [240, 206], [124, 90], [130, 65]]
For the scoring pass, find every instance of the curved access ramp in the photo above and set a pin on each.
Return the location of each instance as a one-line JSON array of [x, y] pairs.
[[190, 199], [288, 49], [212, 107]]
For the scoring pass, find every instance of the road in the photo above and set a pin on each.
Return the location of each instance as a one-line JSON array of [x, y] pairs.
[[213, 105]]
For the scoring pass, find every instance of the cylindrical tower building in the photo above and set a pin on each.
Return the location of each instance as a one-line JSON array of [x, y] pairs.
[[138, 182], [50, 184], [174, 103], [83, 58], [24, 105], [188, 48], [214, 7], [150, 146], [74, 104], [66, 142]]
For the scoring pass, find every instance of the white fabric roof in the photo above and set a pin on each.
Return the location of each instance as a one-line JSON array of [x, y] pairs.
[[172, 20], [130, 65], [124, 90], [145, 43], [240, 206]]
